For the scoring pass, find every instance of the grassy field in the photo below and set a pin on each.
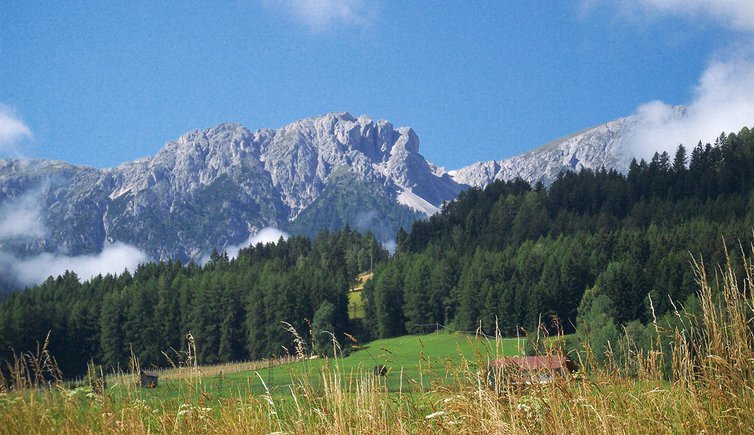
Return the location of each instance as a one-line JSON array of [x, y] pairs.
[[436, 383], [355, 305], [416, 366], [413, 363]]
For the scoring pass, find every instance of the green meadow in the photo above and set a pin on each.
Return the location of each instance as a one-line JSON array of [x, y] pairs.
[[412, 363]]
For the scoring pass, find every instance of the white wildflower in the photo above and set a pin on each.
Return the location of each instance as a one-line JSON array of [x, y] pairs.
[[435, 414]]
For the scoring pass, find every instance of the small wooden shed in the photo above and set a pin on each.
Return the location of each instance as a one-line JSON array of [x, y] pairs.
[[148, 379], [528, 369], [380, 370]]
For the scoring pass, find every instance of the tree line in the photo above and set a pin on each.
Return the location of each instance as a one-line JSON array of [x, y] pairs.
[[232, 307]]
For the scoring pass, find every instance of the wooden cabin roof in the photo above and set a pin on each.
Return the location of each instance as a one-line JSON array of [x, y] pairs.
[[533, 363]]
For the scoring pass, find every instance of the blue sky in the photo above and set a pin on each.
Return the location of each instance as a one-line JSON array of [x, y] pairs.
[[100, 83]]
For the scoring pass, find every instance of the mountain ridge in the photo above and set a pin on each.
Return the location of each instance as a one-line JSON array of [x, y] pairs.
[[217, 187], [607, 145], [243, 180]]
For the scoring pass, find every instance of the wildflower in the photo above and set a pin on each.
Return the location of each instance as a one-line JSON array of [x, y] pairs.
[[434, 414]]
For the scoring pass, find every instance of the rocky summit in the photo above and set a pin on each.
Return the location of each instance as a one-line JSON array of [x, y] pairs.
[[595, 148], [214, 188], [604, 146]]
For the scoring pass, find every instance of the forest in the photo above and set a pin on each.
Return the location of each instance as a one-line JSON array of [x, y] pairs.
[[598, 253], [233, 308]]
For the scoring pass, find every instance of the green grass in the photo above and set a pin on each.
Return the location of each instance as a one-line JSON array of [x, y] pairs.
[[413, 363], [355, 306]]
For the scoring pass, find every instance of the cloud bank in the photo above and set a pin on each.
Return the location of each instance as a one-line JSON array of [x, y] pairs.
[[22, 222], [723, 102], [113, 259], [322, 15], [13, 131]]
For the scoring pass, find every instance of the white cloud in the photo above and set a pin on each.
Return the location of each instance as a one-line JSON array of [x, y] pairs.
[[113, 259], [364, 220], [320, 15], [391, 246], [12, 132], [268, 235], [21, 218], [22, 221], [264, 236], [735, 14], [723, 102]]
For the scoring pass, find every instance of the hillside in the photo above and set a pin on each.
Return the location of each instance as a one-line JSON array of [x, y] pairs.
[[595, 252], [606, 146], [218, 187]]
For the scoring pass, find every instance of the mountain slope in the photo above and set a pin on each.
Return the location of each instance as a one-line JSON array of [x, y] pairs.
[[216, 187], [604, 146], [349, 201]]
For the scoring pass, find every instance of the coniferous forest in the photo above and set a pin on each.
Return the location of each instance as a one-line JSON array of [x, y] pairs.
[[232, 307], [599, 253]]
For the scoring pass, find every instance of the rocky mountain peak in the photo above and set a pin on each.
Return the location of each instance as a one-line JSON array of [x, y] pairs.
[[301, 156], [604, 146], [216, 187]]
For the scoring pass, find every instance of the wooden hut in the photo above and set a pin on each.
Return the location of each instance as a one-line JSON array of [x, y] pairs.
[[148, 379], [528, 370]]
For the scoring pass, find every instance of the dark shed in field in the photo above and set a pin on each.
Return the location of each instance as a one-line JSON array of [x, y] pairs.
[[148, 379]]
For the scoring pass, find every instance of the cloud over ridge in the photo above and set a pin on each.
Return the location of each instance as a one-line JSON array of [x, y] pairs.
[[723, 98], [21, 218], [12, 131], [22, 221], [723, 102]]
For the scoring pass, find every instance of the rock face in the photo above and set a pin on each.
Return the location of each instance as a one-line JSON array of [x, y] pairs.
[[604, 146], [595, 148], [216, 187]]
